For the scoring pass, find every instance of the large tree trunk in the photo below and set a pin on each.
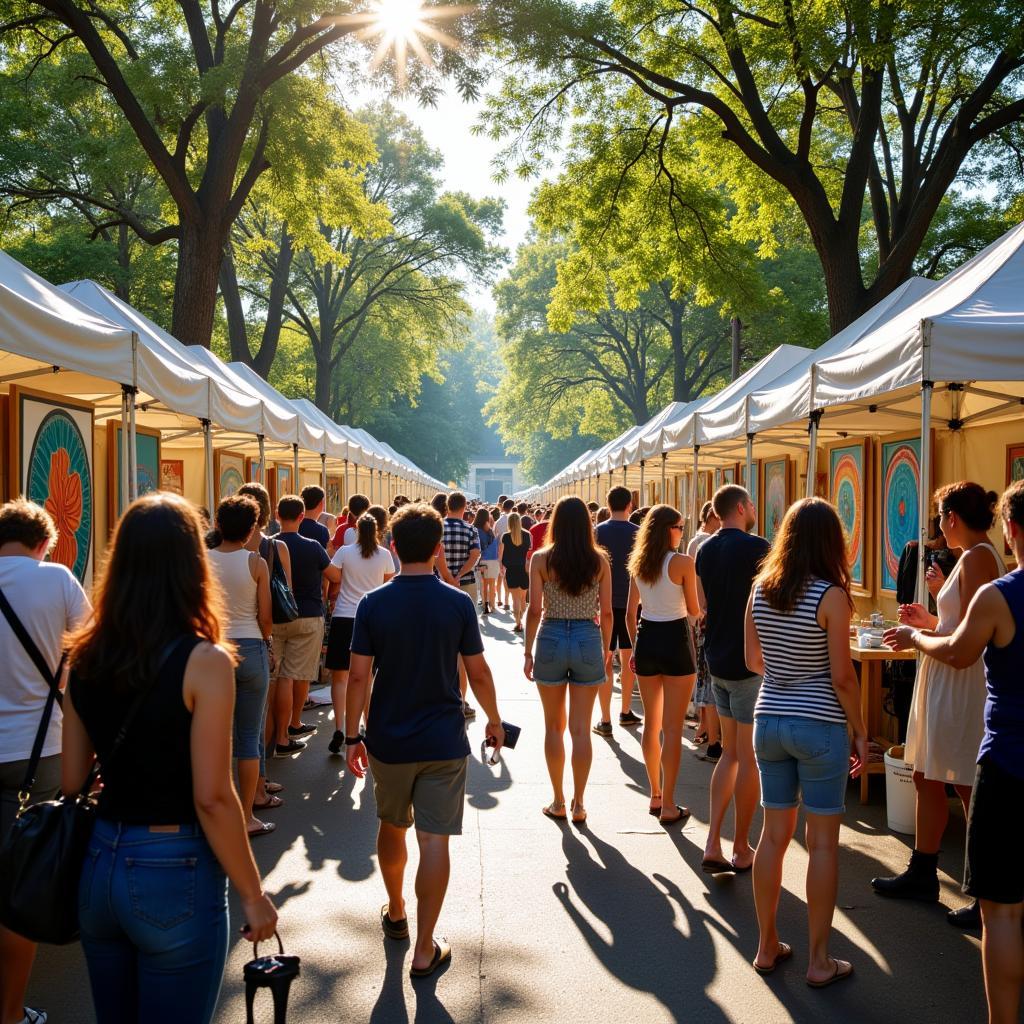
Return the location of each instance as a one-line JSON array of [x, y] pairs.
[[200, 253], [275, 305], [322, 398], [238, 334]]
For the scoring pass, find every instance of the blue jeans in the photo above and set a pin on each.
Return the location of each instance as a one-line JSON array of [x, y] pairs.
[[569, 651], [252, 680], [802, 758], [153, 912]]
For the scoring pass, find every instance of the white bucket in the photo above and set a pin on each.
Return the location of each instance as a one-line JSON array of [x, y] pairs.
[[900, 795]]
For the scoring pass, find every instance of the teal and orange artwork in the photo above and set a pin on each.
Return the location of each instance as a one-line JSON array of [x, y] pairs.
[[901, 484], [846, 489]]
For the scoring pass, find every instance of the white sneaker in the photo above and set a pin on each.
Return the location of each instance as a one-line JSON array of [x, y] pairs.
[[33, 1016]]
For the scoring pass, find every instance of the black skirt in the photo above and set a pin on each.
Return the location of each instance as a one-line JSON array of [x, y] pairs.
[[664, 649]]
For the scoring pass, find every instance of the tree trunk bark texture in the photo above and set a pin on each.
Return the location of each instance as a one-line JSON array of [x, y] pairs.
[[200, 253]]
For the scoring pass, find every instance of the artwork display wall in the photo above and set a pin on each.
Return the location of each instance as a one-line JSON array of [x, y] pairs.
[[777, 489], [283, 480], [51, 463], [847, 491], [229, 469], [148, 470]]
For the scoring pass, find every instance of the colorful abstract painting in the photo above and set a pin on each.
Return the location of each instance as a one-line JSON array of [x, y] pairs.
[[1014, 463], [172, 476], [846, 492], [55, 470], [777, 497], [900, 493], [147, 465], [230, 470]]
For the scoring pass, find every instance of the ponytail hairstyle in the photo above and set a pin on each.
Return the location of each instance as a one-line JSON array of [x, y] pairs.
[[366, 535]]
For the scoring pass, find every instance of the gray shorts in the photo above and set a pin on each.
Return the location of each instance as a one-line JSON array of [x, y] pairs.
[[428, 794], [735, 698], [12, 775]]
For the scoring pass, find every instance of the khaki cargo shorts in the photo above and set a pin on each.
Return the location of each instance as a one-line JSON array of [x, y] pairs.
[[429, 794], [297, 648]]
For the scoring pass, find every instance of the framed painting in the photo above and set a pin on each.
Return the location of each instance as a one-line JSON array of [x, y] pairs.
[[229, 472], [147, 466], [333, 503], [283, 480], [777, 491], [847, 491], [755, 478], [1014, 463], [51, 463], [172, 476], [899, 494]]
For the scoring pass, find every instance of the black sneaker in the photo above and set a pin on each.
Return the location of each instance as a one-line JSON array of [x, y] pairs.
[[713, 753], [302, 730], [468, 711], [919, 882], [289, 748], [603, 728], [628, 718], [965, 917], [337, 742]]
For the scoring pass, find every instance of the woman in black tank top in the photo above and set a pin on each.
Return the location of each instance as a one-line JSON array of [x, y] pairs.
[[153, 894]]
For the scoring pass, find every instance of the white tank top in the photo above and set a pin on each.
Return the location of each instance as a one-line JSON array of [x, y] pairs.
[[663, 601], [232, 569]]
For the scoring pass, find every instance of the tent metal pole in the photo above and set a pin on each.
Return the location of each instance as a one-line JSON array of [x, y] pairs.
[[380, 486], [664, 463], [208, 453], [643, 466], [263, 458], [694, 490], [125, 495], [355, 481], [750, 462], [323, 472], [924, 496], [812, 450], [295, 466], [345, 495], [133, 469]]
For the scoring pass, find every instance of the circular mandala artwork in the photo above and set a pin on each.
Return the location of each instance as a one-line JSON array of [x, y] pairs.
[[59, 480], [230, 481], [849, 501], [900, 513]]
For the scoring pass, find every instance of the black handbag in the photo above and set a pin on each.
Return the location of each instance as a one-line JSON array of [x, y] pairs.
[[282, 600], [276, 972], [41, 856]]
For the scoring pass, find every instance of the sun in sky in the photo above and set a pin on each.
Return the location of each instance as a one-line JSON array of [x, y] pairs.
[[401, 26]]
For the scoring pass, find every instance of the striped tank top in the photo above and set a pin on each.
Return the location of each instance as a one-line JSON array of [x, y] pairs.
[[797, 672]]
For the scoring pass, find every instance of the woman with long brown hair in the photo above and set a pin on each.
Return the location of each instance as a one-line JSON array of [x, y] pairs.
[[570, 586], [798, 639], [152, 663], [664, 582]]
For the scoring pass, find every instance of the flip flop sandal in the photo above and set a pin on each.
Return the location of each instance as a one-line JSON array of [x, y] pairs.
[[264, 830], [684, 813], [839, 974], [575, 811], [272, 801], [717, 867], [549, 813], [785, 952], [738, 869], [442, 955], [273, 787], [393, 929], [654, 812]]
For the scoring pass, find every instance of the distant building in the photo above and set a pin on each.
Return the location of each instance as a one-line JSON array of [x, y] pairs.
[[492, 475]]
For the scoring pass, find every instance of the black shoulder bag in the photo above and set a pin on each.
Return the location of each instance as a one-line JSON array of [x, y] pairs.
[[41, 856], [282, 600]]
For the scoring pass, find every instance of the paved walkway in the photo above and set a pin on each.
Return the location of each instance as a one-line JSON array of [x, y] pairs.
[[550, 923]]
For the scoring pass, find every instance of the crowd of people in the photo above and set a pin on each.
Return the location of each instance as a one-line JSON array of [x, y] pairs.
[[204, 638]]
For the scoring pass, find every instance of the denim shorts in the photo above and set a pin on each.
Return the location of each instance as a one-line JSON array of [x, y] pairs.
[[802, 760], [153, 911], [569, 651], [735, 698], [252, 680]]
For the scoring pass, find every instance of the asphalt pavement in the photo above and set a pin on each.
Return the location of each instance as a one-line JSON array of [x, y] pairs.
[[548, 922]]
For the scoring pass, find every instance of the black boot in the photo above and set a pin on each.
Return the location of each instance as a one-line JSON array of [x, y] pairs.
[[919, 882], [966, 917]]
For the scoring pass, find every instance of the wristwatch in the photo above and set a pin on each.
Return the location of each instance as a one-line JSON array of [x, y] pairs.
[[351, 741]]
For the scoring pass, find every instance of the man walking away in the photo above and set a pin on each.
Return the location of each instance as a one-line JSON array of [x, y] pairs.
[[726, 566], [297, 644], [616, 535], [461, 552], [413, 631]]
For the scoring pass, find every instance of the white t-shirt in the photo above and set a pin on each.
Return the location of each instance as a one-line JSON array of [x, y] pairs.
[[350, 536], [501, 526], [359, 576], [49, 601]]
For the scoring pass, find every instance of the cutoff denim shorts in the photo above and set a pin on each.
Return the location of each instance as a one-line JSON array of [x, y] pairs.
[[569, 651], [802, 760]]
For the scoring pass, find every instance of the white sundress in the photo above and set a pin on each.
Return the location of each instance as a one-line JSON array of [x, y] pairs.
[[947, 714]]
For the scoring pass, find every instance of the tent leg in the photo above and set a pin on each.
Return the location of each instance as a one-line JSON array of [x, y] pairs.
[[924, 502], [664, 461], [123, 496], [355, 484], [295, 468], [208, 452], [133, 469], [323, 473], [345, 495], [263, 459], [694, 490], [643, 466], [812, 450], [750, 463]]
